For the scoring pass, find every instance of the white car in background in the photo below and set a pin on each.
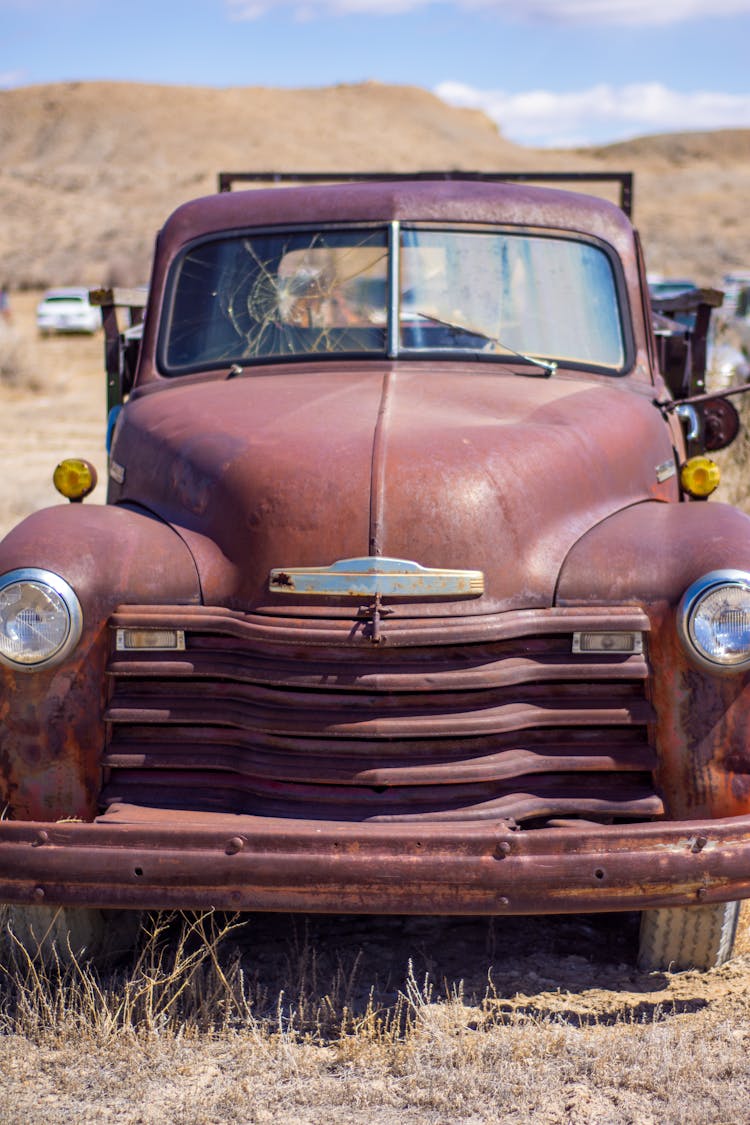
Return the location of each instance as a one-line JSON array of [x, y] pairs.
[[67, 310]]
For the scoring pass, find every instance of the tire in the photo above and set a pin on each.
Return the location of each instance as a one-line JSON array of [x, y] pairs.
[[675, 938], [70, 934]]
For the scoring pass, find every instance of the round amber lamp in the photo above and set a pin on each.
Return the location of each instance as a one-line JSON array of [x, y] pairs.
[[700, 476], [74, 478]]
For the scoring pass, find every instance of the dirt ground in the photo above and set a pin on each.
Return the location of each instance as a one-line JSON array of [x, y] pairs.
[[576, 972]]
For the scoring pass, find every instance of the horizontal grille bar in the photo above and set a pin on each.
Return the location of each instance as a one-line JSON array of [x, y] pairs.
[[556, 795], [451, 675], [392, 719], [339, 629], [377, 763]]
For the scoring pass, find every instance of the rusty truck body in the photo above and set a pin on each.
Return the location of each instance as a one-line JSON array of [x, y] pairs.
[[405, 597]]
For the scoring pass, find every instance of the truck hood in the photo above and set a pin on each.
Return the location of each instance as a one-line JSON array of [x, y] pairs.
[[452, 468]]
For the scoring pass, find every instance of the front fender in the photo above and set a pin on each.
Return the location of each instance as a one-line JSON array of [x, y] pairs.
[[51, 725], [648, 555]]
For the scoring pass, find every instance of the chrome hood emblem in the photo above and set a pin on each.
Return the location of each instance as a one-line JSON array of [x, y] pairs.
[[376, 577]]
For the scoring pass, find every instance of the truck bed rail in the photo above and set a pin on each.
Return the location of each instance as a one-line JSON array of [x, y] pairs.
[[623, 179]]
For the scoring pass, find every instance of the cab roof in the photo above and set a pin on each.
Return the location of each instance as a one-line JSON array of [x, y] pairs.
[[454, 201]]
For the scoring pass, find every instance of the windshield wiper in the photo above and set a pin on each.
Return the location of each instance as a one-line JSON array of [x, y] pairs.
[[549, 367]]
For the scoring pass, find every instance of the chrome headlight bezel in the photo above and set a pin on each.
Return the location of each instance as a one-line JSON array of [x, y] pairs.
[[72, 607], [691, 602]]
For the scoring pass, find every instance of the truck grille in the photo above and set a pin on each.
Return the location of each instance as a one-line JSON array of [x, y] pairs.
[[473, 718]]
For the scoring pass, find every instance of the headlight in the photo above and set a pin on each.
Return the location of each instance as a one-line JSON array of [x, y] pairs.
[[714, 620], [40, 619]]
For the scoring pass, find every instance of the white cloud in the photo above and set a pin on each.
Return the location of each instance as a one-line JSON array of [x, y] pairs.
[[600, 114], [623, 12], [11, 78], [635, 13], [313, 9]]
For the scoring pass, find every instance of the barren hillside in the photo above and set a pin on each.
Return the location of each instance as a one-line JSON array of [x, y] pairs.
[[88, 171]]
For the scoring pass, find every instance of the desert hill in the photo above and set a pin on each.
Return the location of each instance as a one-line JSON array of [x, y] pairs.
[[89, 171]]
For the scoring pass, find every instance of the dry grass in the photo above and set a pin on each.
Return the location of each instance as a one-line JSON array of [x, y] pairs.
[[211, 1022]]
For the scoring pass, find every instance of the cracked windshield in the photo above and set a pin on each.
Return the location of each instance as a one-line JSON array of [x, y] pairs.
[[249, 298]]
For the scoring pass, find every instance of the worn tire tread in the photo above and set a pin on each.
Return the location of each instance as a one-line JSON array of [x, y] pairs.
[[72, 934], [675, 938]]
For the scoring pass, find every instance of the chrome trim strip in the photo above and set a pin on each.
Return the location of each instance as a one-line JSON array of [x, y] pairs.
[[372, 576], [117, 472], [394, 284], [666, 470]]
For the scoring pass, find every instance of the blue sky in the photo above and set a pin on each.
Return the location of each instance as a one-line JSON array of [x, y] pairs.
[[549, 72]]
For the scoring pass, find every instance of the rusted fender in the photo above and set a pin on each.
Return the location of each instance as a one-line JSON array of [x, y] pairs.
[[51, 726], [149, 859], [650, 554]]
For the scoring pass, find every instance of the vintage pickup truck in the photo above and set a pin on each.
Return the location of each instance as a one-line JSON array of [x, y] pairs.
[[405, 598]]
